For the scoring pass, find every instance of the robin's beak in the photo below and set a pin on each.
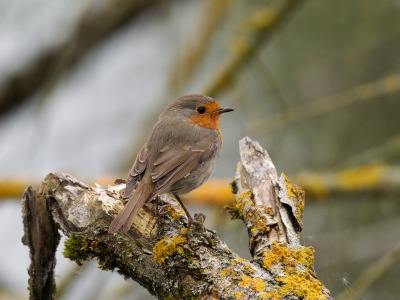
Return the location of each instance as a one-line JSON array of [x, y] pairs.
[[223, 110]]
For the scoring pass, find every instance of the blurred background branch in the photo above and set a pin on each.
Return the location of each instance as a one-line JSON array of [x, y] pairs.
[[257, 29], [369, 179], [368, 91], [97, 23]]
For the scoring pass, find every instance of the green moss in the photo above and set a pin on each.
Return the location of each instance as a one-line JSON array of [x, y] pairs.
[[169, 297], [80, 249], [234, 187], [75, 249]]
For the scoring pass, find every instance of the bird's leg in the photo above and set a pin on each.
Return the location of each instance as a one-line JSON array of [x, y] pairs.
[[190, 219]]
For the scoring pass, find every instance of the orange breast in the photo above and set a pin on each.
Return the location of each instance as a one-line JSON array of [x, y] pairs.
[[209, 119]]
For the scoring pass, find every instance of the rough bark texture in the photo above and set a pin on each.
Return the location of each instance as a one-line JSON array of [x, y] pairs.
[[170, 263], [42, 237]]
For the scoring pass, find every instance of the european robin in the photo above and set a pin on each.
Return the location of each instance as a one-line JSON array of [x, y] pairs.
[[178, 157]]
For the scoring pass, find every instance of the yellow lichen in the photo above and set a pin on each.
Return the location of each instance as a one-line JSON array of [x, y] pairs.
[[239, 295], [268, 210], [260, 225], [228, 272], [245, 281], [289, 258], [255, 284], [278, 254], [298, 268], [258, 284], [297, 195], [168, 247], [303, 285], [305, 257], [241, 200], [241, 259], [173, 212]]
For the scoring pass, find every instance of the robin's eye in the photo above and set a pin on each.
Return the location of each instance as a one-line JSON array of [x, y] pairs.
[[201, 110]]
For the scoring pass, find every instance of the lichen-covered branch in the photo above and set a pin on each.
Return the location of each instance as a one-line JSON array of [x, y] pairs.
[[168, 261]]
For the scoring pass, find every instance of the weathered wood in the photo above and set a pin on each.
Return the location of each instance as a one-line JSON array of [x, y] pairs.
[[42, 238], [172, 264]]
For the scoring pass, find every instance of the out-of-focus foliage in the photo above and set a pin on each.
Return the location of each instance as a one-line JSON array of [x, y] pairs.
[[320, 92]]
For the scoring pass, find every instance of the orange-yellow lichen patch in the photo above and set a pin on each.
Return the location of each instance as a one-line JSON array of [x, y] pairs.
[[255, 284], [172, 211], [241, 200], [303, 285], [168, 247], [228, 272], [239, 295], [297, 195], [269, 210], [245, 281], [298, 266], [258, 284], [282, 254], [260, 225]]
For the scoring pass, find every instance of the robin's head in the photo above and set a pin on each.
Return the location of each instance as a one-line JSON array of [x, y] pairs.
[[198, 109]]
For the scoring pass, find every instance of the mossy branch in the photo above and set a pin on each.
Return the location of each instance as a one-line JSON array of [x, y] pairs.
[[166, 261]]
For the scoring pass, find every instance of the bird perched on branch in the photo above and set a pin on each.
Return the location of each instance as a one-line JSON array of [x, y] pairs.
[[179, 156]]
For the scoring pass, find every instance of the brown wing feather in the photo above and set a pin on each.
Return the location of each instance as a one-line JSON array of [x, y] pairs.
[[136, 201], [137, 170], [175, 158], [181, 163]]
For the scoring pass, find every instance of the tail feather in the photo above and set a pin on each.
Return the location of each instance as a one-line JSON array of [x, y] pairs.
[[126, 216]]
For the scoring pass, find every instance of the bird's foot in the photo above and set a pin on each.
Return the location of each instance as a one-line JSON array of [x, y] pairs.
[[198, 220]]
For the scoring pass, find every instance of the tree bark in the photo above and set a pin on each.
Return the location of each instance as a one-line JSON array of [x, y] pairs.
[[169, 262]]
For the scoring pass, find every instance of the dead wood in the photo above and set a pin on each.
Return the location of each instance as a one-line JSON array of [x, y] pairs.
[[169, 263]]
